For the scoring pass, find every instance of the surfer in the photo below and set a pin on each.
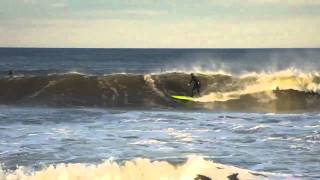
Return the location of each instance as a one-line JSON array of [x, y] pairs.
[[196, 84], [10, 73]]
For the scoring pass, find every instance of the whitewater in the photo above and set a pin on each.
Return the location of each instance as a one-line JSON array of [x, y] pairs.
[[261, 92], [108, 114]]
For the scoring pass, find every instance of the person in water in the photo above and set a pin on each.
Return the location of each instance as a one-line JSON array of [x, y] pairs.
[[196, 84], [10, 73]]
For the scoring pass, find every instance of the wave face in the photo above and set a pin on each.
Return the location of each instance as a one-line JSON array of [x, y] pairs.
[[284, 90], [194, 168]]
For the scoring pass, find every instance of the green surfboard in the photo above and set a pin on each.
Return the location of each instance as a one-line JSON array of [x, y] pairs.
[[186, 98]]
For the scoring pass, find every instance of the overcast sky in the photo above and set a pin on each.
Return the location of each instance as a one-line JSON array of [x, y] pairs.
[[160, 23]]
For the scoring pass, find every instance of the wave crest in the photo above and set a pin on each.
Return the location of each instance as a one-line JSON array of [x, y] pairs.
[[296, 89], [137, 169]]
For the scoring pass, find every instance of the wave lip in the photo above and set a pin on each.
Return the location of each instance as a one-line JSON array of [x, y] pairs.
[[271, 92]]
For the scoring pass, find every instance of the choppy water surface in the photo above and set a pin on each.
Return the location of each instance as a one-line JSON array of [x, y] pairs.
[[277, 143]]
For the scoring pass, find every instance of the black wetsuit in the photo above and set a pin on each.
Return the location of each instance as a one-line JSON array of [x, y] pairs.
[[196, 85], [10, 73]]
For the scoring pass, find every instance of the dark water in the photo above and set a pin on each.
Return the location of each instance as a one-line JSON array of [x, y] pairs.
[[41, 123], [105, 61]]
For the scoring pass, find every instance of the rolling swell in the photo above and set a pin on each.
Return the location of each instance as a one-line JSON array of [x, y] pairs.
[[77, 90], [282, 91], [115, 90]]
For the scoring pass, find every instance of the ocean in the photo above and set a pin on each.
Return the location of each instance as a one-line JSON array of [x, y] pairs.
[[108, 114]]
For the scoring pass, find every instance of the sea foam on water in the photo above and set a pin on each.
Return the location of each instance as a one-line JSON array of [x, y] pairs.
[[138, 169]]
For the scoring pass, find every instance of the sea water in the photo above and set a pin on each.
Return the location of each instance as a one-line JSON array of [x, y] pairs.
[[34, 137]]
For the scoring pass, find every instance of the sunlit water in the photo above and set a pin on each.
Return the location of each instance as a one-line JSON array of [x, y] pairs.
[[278, 143]]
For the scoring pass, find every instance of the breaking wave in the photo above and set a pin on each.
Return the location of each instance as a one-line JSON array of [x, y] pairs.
[[194, 168], [296, 90]]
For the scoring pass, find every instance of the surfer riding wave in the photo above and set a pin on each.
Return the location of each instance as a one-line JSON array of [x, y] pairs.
[[196, 84]]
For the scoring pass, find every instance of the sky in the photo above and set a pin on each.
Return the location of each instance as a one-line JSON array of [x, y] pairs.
[[160, 23]]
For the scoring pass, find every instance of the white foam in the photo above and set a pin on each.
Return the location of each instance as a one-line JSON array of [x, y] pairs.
[[138, 169], [181, 136], [147, 141], [263, 84], [260, 126], [313, 126]]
